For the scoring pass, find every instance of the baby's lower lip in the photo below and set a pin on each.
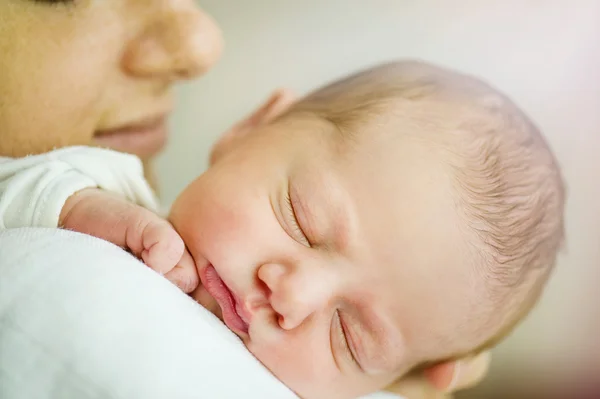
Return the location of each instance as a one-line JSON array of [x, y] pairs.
[[230, 307]]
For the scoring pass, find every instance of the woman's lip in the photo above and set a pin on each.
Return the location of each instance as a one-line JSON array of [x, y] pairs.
[[230, 305], [143, 139]]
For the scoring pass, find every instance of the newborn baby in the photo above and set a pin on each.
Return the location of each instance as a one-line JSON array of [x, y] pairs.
[[401, 217]]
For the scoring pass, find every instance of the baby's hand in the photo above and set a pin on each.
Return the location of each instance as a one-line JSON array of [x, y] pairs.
[[149, 237]]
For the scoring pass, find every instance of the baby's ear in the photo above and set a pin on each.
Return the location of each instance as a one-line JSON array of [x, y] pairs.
[[276, 105], [459, 374], [442, 376]]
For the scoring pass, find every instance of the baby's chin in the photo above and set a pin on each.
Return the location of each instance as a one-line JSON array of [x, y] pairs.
[[202, 296]]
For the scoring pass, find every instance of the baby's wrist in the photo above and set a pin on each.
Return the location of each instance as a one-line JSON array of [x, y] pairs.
[[72, 202]]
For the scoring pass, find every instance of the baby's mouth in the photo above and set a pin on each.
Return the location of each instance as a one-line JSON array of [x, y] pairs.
[[233, 314]]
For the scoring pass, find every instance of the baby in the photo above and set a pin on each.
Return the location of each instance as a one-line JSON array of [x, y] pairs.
[[398, 218]]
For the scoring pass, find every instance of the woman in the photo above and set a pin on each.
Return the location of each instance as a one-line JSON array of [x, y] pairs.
[[100, 73]]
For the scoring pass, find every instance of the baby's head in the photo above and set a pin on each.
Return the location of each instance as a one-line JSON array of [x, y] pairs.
[[403, 216]]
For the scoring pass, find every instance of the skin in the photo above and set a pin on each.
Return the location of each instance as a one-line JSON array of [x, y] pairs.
[[89, 66], [70, 71], [331, 284]]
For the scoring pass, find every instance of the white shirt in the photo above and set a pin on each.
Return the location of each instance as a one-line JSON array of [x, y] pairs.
[[34, 189]]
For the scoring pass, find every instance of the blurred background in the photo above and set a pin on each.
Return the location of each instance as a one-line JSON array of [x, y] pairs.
[[545, 54]]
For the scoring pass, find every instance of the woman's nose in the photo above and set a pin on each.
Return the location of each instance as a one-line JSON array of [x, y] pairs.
[[296, 293], [179, 42]]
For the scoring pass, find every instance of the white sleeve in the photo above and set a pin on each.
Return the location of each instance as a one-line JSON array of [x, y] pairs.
[[34, 189]]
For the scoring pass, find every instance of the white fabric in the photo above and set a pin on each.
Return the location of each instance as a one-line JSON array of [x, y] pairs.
[[34, 189]]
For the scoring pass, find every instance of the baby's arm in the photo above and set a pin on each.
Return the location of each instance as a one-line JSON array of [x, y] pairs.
[[93, 191]]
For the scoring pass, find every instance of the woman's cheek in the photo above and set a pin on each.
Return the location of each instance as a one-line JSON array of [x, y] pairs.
[[56, 69]]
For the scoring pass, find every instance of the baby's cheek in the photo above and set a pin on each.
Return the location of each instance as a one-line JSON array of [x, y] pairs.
[[220, 236], [289, 368], [209, 231], [237, 237], [302, 362]]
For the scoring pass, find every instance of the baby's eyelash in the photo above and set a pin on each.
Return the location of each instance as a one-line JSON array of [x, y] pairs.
[[290, 209], [346, 340], [292, 215]]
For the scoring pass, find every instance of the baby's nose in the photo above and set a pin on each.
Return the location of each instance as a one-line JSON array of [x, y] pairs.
[[294, 293]]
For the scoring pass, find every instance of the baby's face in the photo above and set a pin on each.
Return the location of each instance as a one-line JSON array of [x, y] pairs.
[[339, 268]]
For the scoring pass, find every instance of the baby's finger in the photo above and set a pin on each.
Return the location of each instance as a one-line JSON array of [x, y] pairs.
[[163, 247], [184, 275]]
